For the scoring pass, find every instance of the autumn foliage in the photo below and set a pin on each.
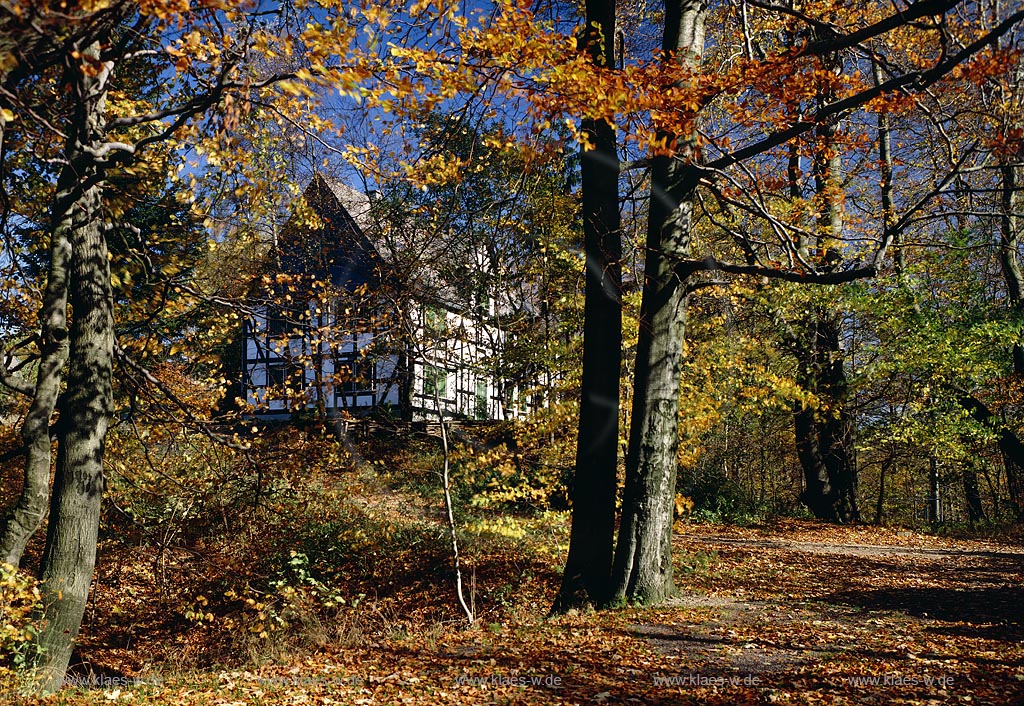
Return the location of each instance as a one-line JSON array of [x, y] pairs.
[[800, 223]]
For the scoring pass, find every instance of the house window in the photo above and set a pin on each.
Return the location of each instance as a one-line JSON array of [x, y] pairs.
[[284, 378], [275, 376], [481, 399], [343, 310], [435, 320], [280, 322], [353, 374], [435, 382]]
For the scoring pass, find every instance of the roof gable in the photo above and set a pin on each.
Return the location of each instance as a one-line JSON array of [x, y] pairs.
[[333, 245]]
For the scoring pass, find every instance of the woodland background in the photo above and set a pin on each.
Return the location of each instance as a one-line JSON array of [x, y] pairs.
[[772, 252]]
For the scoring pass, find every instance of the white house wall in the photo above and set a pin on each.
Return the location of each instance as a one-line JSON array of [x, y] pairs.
[[459, 351], [262, 354], [459, 348]]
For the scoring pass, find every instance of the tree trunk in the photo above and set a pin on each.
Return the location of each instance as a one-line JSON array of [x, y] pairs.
[[972, 494], [880, 501], [404, 371], [70, 553], [839, 435], [642, 569], [825, 437], [817, 491], [934, 502], [24, 517], [588, 565], [1010, 447], [1009, 257]]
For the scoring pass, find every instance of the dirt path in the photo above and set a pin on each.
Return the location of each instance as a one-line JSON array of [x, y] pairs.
[[867, 550], [791, 613], [785, 610]]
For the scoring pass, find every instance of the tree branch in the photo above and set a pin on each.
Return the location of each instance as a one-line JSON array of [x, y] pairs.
[[15, 383], [918, 80], [837, 42], [685, 268], [173, 398]]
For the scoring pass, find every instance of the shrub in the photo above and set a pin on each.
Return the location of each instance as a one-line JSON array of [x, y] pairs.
[[523, 466], [716, 497], [19, 601]]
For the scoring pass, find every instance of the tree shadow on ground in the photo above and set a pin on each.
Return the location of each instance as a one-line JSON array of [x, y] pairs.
[[995, 607]]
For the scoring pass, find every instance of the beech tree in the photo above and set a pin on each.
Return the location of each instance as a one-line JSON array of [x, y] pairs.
[[970, 133], [715, 128], [67, 101], [643, 567], [593, 491], [643, 555], [825, 435], [710, 137], [1003, 97]]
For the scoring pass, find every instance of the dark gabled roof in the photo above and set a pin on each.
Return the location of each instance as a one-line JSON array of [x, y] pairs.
[[334, 245], [355, 203], [346, 244]]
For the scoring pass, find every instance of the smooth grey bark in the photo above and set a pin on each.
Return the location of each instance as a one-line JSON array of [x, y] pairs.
[[24, 517], [38, 49], [642, 570], [885, 186], [934, 500], [585, 579], [69, 556]]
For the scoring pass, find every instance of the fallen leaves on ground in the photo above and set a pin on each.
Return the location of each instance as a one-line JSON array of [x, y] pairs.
[[787, 613]]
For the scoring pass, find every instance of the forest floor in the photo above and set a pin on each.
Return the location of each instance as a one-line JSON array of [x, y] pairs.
[[788, 612], [791, 612], [852, 615]]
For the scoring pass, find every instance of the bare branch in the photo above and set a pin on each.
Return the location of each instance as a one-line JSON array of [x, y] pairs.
[[894, 231], [12, 381], [709, 264], [835, 42], [199, 424]]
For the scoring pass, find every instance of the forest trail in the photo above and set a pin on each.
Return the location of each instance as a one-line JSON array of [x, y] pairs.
[[865, 550], [870, 615]]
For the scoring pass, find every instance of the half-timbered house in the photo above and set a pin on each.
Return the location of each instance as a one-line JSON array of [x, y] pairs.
[[356, 317]]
